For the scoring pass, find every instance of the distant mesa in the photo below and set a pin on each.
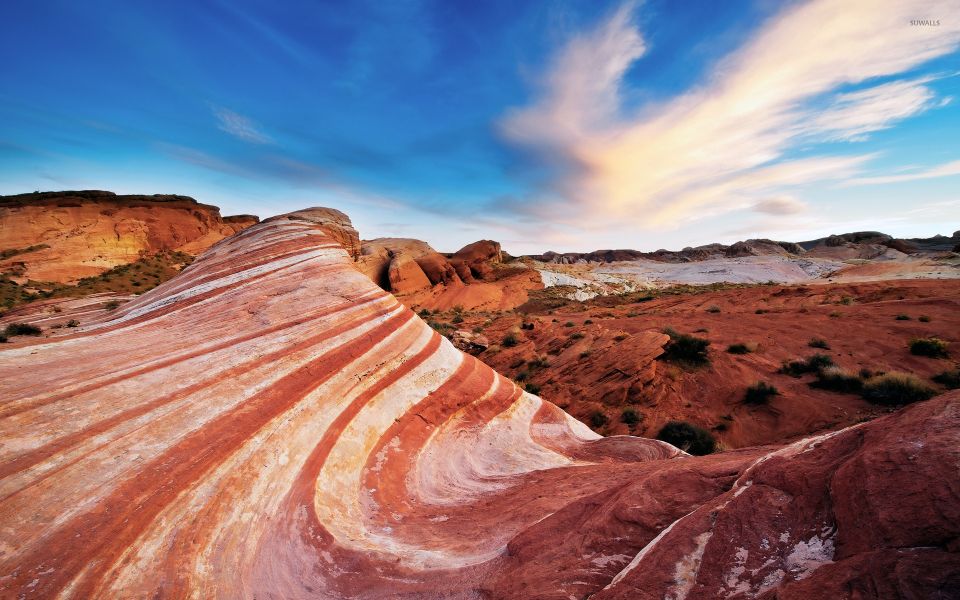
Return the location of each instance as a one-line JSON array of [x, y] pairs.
[[78, 234]]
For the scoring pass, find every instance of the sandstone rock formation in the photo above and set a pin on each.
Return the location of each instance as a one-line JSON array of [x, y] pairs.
[[79, 234], [271, 424], [471, 278]]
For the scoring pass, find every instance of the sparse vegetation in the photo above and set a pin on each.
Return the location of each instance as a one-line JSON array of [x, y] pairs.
[[796, 368], [568, 324], [924, 319], [948, 379], [510, 340], [598, 419], [73, 323], [930, 347], [759, 393], [112, 305], [895, 389], [11, 252], [14, 329], [620, 337], [576, 336], [761, 311], [713, 309], [819, 343], [902, 317], [630, 416], [533, 388], [456, 319], [688, 437], [686, 349], [836, 379], [585, 354], [738, 349], [539, 362], [588, 322]]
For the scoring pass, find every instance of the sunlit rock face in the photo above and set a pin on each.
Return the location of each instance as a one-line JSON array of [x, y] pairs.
[[81, 234], [272, 424]]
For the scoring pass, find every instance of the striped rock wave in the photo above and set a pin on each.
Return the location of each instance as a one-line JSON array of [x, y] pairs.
[[271, 424]]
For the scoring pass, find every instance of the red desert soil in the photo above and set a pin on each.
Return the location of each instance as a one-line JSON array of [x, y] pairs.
[[610, 364], [271, 424], [70, 235]]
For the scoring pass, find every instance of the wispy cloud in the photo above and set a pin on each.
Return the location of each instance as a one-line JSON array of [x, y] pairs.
[[852, 116], [945, 170], [783, 205], [240, 127], [725, 144]]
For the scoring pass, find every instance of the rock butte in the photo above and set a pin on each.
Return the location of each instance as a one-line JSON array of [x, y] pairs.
[[271, 424], [91, 231]]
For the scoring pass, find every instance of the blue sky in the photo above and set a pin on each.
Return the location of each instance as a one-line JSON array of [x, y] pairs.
[[568, 126]]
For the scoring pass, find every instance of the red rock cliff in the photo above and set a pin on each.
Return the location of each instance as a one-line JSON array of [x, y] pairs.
[[89, 232]]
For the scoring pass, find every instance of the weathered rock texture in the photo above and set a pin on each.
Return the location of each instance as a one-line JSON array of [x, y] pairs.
[[472, 278], [270, 424], [89, 232]]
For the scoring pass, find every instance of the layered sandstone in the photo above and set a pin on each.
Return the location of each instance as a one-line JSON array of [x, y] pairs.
[[270, 423], [80, 234], [473, 277]]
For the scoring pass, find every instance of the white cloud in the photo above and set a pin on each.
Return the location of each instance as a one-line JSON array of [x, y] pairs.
[[782, 205], [240, 127], [945, 170], [722, 145]]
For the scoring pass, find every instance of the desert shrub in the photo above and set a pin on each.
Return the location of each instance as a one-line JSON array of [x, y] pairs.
[[620, 337], [924, 319], [114, 304], [576, 336], [510, 340], [761, 311], [836, 379], [689, 349], [21, 329], [902, 317], [720, 427], [713, 309], [812, 364], [759, 393], [456, 319], [526, 326], [478, 329], [521, 376], [598, 419], [896, 388], [3, 339], [539, 363], [585, 354], [846, 300], [930, 347], [738, 349], [630, 416], [73, 323], [568, 324], [458, 308], [688, 437], [533, 388], [950, 379], [819, 343], [588, 322]]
